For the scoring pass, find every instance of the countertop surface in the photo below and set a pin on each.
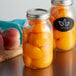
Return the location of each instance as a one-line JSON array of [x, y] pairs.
[[64, 64]]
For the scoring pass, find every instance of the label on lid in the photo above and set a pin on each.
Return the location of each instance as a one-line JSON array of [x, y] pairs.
[[63, 24]]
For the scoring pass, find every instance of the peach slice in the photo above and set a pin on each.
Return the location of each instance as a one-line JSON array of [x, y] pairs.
[[27, 60], [61, 11], [25, 35], [65, 40], [39, 28], [32, 51], [46, 60], [41, 39]]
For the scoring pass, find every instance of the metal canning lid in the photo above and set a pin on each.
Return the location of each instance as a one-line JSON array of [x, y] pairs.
[[62, 2], [37, 14]]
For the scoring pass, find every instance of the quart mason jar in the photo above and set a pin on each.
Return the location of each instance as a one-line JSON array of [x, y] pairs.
[[63, 21], [37, 39]]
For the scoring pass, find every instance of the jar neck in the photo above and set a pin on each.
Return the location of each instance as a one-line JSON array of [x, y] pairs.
[[37, 21], [68, 7]]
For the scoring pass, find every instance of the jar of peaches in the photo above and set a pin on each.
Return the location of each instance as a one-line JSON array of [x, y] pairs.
[[37, 39], [63, 22]]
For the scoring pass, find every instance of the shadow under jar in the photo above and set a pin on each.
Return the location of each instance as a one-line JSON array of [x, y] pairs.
[[64, 63], [37, 39]]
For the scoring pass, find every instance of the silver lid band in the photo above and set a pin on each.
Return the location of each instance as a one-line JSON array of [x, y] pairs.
[[37, 14], [62, 2]]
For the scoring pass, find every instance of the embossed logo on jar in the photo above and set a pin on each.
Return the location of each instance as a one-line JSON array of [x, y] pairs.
[[63, 24]]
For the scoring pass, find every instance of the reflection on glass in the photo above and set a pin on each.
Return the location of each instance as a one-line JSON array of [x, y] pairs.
[[64, 63], [10, 67], [38, 72]]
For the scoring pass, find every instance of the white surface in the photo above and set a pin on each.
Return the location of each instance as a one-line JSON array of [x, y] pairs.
[[15, 9]]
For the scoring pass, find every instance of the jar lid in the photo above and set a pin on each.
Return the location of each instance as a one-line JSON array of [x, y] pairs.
[[37, 14], [62, 2]]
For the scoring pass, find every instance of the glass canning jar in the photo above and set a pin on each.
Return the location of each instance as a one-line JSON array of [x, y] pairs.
[[63, 22], [37, 39]]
